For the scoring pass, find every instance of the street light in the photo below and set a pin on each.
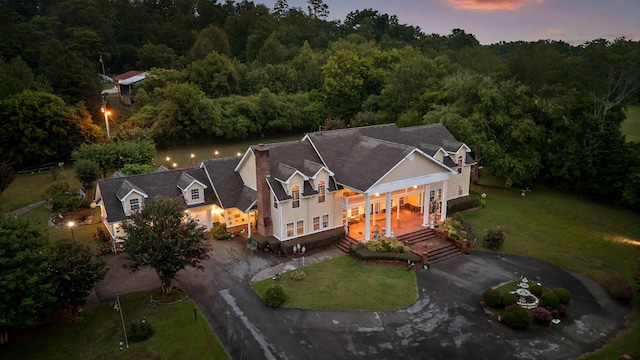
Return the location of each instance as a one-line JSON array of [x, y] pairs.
[[71, 224], [193, 159], [106, 120], [299, 250]]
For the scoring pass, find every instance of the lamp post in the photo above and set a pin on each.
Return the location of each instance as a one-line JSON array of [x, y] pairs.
[[299, 250], [106, 120], [193, 159], [71, 224]]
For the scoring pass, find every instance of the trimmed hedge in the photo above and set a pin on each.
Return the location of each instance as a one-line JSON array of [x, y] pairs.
[[536, 290], [461, 204], [550, 300], [508, 299], [359, 252], [517, 317], [492, 298], [563, 295], [275, 295]]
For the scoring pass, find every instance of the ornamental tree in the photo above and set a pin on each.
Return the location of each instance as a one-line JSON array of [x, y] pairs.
[[163, 237], [26, 282], [77, 270]]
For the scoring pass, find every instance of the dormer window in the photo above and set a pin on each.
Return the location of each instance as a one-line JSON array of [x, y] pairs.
[[195, 194], [459, 164], [134, 204], [295, 195], [321, 192]]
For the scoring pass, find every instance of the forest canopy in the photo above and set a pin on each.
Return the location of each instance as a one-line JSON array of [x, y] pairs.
[[543, 111]]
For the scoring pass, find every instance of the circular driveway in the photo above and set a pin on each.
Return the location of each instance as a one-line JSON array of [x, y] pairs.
[[447, 321]]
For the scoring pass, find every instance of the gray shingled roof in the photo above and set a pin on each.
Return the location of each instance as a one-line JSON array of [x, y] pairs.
[[357, 161], [157, 183], [226, 182]]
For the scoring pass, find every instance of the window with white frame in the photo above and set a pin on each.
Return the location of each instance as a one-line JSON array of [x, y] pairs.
[[295, 195], [459, 164], [195, 194], [460, 189], [134, 204], [300, 227], [275, 202], [325, 221], [290, 229], [321, 192], [316, 223]]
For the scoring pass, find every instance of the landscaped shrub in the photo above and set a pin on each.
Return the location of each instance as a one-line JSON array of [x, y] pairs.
[[139, 331], [562, 310], [536, 290], [517, 317], [453, 227], [62, 199], [549, 300], [491, 298], [542, 316], [563, 295], [220, 232], [494, 238], [386, 245], [618, 287], [275, 295], [508, 299]]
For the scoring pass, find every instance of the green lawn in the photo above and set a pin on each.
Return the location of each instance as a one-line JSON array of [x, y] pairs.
[[631, 126], [345, 284], [575, 234], [99, 334]]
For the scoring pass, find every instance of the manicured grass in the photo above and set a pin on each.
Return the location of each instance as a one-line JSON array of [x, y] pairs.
[[345, 284], [177, 335], [631, 126], [27, 189], [572, 233]]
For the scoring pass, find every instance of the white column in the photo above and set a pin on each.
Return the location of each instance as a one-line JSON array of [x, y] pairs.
[[387, 231], [367, 218], [443, 207], [397, 208], [249, 225], [425, 220]]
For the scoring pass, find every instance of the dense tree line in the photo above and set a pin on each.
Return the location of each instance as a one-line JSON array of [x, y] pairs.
[[531, 111]]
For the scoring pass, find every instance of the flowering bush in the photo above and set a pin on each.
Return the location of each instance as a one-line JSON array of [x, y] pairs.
[[542, 316]]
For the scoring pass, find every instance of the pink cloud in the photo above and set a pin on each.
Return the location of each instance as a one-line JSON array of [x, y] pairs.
[[490, 4]]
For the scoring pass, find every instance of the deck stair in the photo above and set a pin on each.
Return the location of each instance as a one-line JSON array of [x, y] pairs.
[[345, 243], [437, 248]]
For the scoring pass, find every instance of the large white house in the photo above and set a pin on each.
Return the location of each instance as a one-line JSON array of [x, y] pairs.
[[322, 182]]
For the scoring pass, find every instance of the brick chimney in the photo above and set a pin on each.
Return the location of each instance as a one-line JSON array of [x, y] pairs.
[[265, 225]]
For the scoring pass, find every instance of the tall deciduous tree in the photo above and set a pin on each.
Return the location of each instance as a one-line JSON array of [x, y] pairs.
[[115, 155], [88, 172], [77, 270], [28, 286], [163, 237], [39, 128]]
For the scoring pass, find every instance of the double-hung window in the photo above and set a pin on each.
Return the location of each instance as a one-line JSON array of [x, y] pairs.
[[321, 192], [295, 195], [134, 204], [195, 194]]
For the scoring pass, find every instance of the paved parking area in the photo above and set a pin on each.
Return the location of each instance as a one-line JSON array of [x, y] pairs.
[[447, 321]]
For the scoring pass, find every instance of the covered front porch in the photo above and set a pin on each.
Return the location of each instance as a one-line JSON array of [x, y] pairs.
[[407, 221]]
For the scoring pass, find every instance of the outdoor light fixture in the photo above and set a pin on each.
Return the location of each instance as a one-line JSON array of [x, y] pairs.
[[71, 224]]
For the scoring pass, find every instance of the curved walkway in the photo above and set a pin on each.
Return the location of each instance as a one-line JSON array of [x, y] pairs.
[[446, 322]]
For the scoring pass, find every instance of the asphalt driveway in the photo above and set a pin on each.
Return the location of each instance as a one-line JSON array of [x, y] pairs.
[[447, 321]]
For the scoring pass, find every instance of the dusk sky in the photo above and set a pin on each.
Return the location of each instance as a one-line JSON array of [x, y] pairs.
[[492, 21]]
